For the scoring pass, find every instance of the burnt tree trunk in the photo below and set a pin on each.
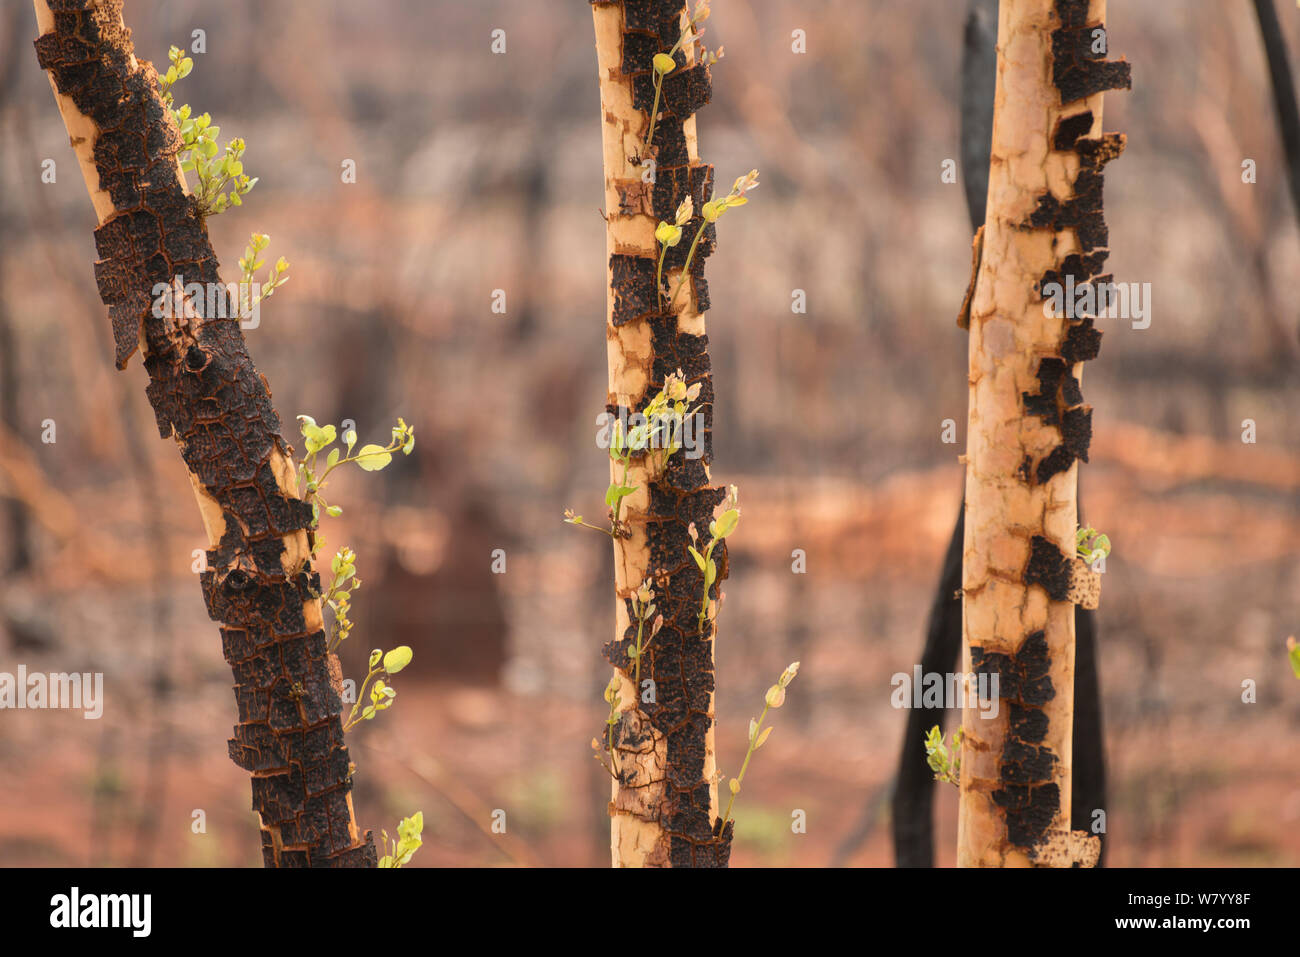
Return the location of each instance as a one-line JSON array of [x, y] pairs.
[[1028, 427], [207, 395], [912, 800], [665, 802]]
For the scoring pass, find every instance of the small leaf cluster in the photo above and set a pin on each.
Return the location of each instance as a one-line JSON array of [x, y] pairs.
[[216, 170], [946, 765], [758, 734], [1091, 545], [643, 607], [249, 263], [659, 432], [613, 699], [381, 693], [312, 476], [669, 235], [719, 529], [664, 63], [338, 596], [408, 841]]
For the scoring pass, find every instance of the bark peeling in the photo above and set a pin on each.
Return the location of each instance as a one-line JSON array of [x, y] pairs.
[[208, 396]]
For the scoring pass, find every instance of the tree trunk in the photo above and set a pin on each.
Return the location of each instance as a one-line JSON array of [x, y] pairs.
[[665, 801], [259, 583], [1027, 426], [1284, 99]]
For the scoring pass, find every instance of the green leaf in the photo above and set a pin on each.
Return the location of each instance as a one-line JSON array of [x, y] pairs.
[[616, 493], [699, 559], [372, 458], [727, 523], [397, 659], [1295, 660], [333, 458], [375, 657], [410, 827], [317, 437], [334, 511]]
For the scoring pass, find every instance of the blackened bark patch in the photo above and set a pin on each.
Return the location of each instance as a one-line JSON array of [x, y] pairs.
[[1046, 402], [1081, 213], [1082, 342], [674, 184], [1070, 128], [1022, 677], [639, 50], [1025, 467], [1047, 567], [1053, 463], [670, 141], [685, 91], [651, 16], [1076, 432], [1027, 793], [1059, 400], [633, 281], [205, 391], [1081, 268], [1030, 810], [1078, 69]]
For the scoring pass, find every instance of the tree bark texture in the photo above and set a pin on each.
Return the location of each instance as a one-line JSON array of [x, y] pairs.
[[206, 394], [1028, 427], [664, 806]]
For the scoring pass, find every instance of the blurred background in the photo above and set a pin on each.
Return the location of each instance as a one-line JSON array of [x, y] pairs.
[[478, 172]]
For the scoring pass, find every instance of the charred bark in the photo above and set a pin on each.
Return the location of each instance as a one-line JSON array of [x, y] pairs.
[[206, 394]]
